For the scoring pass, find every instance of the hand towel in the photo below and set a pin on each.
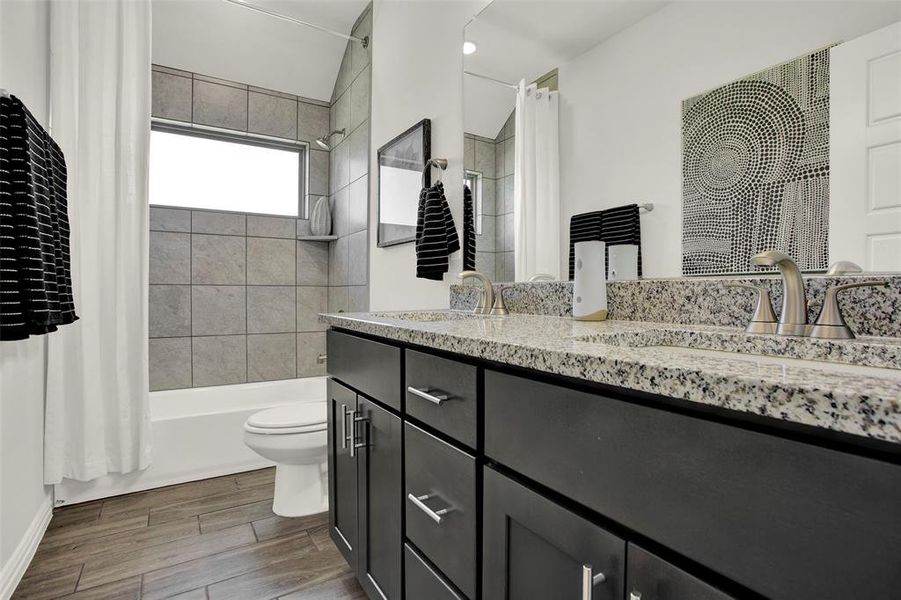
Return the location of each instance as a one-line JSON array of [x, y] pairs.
[[436, 234], [619, 225]]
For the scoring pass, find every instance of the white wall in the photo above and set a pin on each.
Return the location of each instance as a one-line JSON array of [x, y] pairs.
[[620, 114], [24, 29], [417, 65], [230, 42]]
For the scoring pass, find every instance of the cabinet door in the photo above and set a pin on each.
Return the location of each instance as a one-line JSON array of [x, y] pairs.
[[378, 437], [342, 471], [536, 549], [649, 577]]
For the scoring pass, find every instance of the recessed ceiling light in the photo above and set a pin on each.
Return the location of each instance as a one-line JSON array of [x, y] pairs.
[[469, 47]]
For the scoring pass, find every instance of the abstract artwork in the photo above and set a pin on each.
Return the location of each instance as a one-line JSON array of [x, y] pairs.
[[755, 169]]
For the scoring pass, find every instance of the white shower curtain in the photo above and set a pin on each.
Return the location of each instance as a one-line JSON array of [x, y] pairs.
[[97, 413], [536, 183]]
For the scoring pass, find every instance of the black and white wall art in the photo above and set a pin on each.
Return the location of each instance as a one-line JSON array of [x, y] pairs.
[[755, 169]]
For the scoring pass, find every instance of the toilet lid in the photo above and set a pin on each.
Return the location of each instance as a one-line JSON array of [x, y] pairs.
[[298, 417]]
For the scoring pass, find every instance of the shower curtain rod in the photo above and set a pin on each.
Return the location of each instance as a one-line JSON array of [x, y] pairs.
[[491, 79], [364, 41]]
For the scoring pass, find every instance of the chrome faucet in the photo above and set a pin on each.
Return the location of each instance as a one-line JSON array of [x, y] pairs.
[[793, 318], [486, 298]]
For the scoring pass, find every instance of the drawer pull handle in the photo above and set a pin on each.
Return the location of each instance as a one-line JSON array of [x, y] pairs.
[[589, 580], [433, 396], [344, 436], [419, 501]]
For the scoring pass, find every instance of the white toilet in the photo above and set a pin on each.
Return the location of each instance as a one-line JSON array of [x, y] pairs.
[[295, 438]]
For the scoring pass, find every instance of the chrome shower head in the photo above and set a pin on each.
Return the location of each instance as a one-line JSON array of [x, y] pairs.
[[323, 141]]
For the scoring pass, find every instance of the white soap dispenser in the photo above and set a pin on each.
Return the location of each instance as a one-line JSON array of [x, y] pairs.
[[590, 282]]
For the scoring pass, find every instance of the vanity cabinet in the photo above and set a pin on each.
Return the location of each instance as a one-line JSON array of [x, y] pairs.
[[649, 577], [535, 549], [342, 471], [519, 484], [365, 480]]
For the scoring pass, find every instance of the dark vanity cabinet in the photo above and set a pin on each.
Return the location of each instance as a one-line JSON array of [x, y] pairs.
[[342, 471], [365, 478], [456, 479], [535, 549], [649, 577]]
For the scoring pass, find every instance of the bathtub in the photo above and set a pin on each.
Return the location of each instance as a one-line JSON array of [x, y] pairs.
[[198, 433]]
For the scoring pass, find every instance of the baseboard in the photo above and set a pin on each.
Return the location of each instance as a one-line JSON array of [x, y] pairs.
[[11, 573]]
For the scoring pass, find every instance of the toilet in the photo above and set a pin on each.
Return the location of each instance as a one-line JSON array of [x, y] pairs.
[[294, 437]]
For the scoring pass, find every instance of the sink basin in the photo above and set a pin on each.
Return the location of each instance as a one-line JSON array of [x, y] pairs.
[[882, 353], [432, 316], [782, 361]]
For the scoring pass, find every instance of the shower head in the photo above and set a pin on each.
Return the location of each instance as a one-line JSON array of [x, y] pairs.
[[323, 141]]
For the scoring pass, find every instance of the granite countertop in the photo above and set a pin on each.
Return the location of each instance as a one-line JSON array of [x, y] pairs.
[[864, 402]]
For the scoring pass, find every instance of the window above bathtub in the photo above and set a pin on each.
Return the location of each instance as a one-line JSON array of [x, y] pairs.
[[207, 169]]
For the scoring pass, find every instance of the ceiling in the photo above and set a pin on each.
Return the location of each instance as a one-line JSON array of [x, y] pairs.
[[524, 39], [216, 38]]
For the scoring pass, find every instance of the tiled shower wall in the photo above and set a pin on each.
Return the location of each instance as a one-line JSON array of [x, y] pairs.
[[349, 177], [493, 159], [234, 297]]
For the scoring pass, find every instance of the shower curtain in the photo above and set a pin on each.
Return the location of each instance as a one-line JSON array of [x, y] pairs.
[[97, 413], [536, 183]]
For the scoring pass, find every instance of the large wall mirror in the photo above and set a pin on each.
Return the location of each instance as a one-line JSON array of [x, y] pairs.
[[700, 132]]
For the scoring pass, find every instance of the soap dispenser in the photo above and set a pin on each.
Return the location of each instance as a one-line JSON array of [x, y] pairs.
[[590, 282]]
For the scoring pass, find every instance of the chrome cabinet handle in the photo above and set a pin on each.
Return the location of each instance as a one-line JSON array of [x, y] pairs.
[[353, 432], [344, 436], [433, 396], [352, 438], [419, 501], [589, 580], [635, 595]]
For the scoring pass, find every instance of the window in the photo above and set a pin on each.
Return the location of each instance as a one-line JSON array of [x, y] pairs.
[[473, 180], [215, 171]]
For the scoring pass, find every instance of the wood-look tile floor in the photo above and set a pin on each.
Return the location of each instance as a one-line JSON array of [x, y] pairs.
[[215, 539]]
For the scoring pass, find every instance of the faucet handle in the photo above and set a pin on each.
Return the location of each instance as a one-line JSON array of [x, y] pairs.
[[500, 308], [843, 267], [764, 317], [830, 324]]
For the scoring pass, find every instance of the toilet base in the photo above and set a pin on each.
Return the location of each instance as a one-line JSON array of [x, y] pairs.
[[300, 490]]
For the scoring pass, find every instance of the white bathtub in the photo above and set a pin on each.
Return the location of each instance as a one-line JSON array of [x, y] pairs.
[[198, 433]]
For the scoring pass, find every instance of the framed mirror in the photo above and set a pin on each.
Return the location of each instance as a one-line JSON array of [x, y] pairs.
[[401, 164]]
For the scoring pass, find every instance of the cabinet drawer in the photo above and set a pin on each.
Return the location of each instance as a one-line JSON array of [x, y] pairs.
[[649, 577], [439, 477], [371, 367], [442, 393], [422, 581], [781, 517]]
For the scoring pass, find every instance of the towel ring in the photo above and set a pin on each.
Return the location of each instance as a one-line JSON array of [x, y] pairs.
[[441, 163]]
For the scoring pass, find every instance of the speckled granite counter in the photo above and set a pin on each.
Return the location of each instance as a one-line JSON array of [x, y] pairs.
[[865, 402]]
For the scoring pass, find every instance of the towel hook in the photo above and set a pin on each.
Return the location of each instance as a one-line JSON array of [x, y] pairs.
[[441, 163]]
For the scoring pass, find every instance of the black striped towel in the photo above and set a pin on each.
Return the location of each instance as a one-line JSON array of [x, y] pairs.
[[469, 230], [35, 276], [436, 234], [614, 226]]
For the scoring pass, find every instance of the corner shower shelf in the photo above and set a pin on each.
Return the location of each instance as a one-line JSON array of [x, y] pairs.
[[317, 238]]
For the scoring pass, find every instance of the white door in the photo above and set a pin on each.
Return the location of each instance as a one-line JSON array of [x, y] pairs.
[[865, 151]]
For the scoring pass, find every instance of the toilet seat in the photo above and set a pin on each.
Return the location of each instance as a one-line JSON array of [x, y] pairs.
[[305, 417]]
